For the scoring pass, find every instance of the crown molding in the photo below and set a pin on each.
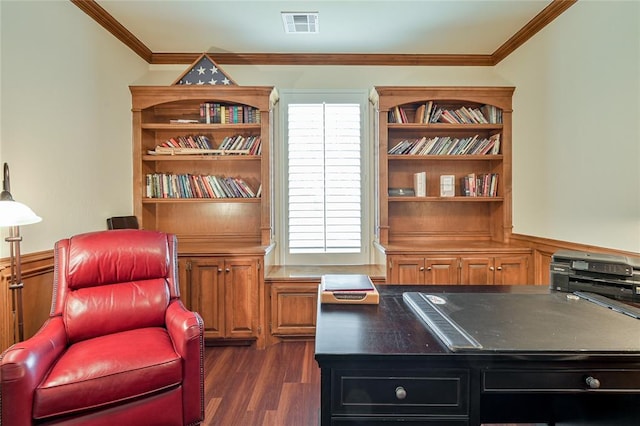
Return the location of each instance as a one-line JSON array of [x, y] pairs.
[[548, 14], [102, 17], [541, 20], [324, 59]]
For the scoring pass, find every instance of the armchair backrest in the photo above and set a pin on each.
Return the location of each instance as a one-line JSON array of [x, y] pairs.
[[111, 281]]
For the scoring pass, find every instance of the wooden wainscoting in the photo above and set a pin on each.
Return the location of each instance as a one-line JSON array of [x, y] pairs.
[[543, 249], [37, 277]]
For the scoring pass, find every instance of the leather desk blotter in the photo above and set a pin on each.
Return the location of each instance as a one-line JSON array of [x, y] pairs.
[[507, 322]]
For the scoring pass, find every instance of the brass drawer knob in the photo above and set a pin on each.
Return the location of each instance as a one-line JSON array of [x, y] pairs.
[[401, 393]]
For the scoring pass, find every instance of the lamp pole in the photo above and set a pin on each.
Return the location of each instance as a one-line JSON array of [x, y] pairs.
[[15, 283]]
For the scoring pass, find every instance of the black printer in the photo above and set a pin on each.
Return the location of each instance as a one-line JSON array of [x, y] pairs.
[[614, 276]]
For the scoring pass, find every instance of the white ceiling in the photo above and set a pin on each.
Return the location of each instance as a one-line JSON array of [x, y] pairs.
[[351, 26]]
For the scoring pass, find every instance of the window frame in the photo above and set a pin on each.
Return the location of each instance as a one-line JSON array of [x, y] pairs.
[[280, 176]]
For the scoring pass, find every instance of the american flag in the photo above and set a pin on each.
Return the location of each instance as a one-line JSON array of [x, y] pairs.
[[205, 72]]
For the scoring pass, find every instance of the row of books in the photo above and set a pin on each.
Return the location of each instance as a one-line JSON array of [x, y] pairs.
[[188, 141], [202, 145], [447, 145], [429, 112], [214, 112], [250, 145], [480, 185], [163, 185], [472, 185]]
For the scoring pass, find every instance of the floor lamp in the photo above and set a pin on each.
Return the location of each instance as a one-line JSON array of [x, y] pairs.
[[14, 214]]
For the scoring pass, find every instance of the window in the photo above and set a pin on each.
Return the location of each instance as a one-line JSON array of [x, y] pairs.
[[323, 176]]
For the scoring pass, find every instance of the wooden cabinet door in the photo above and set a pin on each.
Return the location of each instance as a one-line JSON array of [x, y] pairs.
[[241, 297], [207, 294], [476, 270], [407, 270], [511, 270], [442, 270], [184, 271], [293, 309]]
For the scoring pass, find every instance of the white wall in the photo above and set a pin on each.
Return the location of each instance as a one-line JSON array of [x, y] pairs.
[[576, 143], [66, 118]]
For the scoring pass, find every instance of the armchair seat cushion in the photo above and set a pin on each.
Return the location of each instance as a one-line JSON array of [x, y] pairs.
[[109, 369]]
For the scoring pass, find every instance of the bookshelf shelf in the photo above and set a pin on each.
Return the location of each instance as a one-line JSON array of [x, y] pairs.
[[200, 126], [420, 236], [444, 126], [198, 157], [199, 200], [444, 157], [446, 199]]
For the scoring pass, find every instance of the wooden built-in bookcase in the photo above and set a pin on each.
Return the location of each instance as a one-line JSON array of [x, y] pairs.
[[214, 219], [457, 229], [222, 239]]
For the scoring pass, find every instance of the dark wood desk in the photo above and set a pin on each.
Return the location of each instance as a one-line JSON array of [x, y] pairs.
[[380, 364]]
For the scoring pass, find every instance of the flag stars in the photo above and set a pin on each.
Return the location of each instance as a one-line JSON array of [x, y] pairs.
[[205, 72]]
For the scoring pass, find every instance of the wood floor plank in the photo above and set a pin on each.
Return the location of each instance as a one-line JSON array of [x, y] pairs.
[[310, 369], [277, 386], [265, 395], [297, 404]]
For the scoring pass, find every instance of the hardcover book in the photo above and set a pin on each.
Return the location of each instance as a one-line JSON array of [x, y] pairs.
[[447, 186], [420, 184]]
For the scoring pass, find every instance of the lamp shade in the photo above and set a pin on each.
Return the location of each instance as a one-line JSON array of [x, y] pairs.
[[13, 213]]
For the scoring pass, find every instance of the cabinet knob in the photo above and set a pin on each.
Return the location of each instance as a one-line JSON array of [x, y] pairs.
[[401, 393], [592, 382], [422, 268], [219, 270], [429, 268], [491, 268], [499, 268], [227, 270]]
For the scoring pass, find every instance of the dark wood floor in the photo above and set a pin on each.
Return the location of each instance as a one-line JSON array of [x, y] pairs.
[[277, 386]]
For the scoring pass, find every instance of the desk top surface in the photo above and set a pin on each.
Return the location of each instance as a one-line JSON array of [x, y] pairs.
[[392, 328]]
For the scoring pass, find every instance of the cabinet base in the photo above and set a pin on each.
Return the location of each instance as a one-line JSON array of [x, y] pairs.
[[228, 342]]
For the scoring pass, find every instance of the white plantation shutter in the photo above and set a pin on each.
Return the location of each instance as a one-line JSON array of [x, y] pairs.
[[324, 169]]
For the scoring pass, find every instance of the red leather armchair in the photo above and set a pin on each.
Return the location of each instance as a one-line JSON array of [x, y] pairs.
[[119, 347]]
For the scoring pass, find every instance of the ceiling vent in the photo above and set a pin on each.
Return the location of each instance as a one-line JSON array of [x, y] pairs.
[[300, 22]]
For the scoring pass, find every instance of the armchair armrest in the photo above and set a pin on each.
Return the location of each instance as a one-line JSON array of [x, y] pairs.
[[186, 330], [24, 365]]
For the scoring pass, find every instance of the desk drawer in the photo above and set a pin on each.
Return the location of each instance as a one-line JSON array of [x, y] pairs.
[[442, 392], [596, 380]]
